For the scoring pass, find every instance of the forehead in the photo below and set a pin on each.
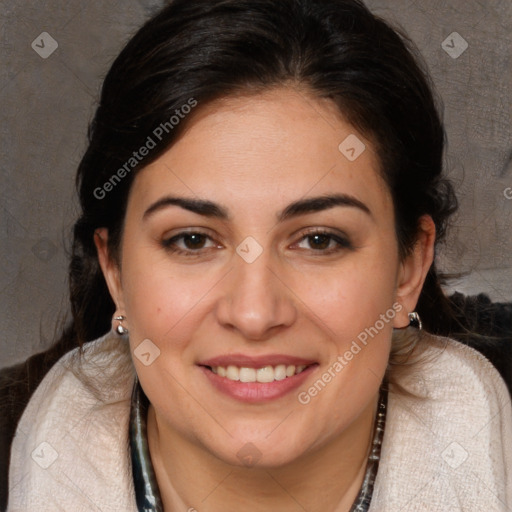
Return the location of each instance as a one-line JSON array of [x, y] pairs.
[[275, 147]]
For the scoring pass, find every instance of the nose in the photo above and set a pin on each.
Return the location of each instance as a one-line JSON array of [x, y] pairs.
[[255, 301]]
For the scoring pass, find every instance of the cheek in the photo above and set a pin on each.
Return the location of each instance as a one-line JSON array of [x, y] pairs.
[[354, 307], [161, 302], [349, 299]]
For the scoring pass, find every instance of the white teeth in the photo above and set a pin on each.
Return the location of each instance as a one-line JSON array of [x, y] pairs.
[[247, 375], [265, 374], [280, 372], [290, 370], [232, 373]]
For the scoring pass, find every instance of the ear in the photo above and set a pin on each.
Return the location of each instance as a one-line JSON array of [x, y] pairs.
[[413, 270], [109, 267]]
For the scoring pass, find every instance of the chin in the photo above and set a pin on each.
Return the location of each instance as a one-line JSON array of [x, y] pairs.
[[263, 449]]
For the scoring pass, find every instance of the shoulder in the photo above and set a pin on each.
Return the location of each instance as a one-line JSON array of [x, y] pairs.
[[72, 437], [450, 446], [99, 371], [458, 369], [446, 370]]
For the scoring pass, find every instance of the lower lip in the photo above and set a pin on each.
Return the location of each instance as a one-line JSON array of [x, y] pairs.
[[257, 392]]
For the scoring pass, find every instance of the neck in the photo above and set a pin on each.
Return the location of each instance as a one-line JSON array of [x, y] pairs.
[[326, 479]]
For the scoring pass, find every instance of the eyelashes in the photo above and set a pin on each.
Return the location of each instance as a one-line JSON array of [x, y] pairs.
[[189, 242], [323, 241], [316, 242]]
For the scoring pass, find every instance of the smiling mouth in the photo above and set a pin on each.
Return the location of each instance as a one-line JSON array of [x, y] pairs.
[[263, 375]]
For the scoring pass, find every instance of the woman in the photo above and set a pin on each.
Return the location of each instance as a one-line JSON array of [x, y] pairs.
[[261, 197]]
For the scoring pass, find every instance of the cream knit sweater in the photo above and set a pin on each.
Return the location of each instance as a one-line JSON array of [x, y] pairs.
[[451, 451]]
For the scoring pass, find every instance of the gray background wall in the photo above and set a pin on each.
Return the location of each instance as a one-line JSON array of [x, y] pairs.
[[46, 104]]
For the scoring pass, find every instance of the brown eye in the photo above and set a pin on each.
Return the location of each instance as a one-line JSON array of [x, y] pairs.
[[189, 243], [194, 241], [323, 242], [319, 241]]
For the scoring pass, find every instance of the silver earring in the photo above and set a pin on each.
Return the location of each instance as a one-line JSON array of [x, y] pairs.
[[121, 329], [415, 320]]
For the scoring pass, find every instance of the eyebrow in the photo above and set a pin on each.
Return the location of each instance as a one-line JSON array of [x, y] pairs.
[[199, 206], [301, 207], [317, 204]]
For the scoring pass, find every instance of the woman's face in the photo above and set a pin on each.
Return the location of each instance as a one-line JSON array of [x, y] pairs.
[[258, 248]]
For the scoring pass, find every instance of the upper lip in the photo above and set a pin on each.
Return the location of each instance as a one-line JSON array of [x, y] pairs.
[[246, 361]]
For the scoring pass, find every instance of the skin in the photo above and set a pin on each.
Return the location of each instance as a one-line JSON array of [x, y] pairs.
[[254, 156]]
